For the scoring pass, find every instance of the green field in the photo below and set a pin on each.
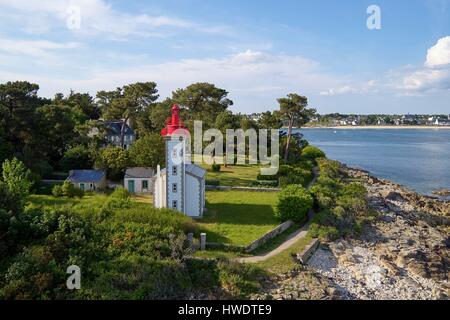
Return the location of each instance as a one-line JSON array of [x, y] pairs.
[[236, 176], [238, 217]]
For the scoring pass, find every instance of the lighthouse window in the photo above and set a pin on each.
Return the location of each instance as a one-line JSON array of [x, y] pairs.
[[175, 204], [174, 187], [174, 170]]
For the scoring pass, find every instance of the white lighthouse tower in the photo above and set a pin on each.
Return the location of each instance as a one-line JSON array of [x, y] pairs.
[[181, 185]]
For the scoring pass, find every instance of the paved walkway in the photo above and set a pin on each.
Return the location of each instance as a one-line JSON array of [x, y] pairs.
[[291, 239]]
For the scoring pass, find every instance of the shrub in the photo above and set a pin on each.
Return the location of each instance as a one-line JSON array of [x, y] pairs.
[[57, 191], [294, 202], [312, 153], [70, 191], [214, 183], [120, 193], [265, 184], [215, 167], [330, 168], [296, 176], [266, 178], [17, 177]]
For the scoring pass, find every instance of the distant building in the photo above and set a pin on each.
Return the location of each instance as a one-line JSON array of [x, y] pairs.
[[441, 121], [408, 119], [88, 180], [139, 180], [113, 130], [113, 134]]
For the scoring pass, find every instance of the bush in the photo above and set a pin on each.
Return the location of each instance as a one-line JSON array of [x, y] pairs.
[[297, 176], [265, 184], [120, 193], [17, 177], [57, 191], [215, 167], [214, 183], [312, 153], [266, 178], [70, 191], [294, 202]]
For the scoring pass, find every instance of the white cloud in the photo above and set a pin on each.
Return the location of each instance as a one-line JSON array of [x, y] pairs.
[[254, 79], [439, 54], [338, 91], [356, 88], [34, 48], [97, 17], [435, 75]]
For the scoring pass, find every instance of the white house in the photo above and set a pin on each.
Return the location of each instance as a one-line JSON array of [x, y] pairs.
[[88, 180], [139, 180], [181, 185]]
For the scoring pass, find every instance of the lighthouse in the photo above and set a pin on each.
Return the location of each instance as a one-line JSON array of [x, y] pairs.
[[181, 185]]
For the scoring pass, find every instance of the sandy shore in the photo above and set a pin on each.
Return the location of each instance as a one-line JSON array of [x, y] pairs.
[[382, 127]]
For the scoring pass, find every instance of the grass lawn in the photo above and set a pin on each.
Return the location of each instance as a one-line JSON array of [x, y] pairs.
[[238, 217], [283, 262], [237, 176]]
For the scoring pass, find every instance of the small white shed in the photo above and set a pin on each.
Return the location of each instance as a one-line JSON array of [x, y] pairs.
[[138, 180]]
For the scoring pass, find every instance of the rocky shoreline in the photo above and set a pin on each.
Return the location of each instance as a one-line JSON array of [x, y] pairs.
[[403, 255]]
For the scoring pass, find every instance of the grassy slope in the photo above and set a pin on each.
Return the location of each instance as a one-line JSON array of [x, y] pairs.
[[238, 217]]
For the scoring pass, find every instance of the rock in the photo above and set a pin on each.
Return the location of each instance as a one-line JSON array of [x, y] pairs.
[[442, 192]]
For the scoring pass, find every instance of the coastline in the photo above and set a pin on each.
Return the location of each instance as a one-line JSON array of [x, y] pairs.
[[379, 127], [401, 254]]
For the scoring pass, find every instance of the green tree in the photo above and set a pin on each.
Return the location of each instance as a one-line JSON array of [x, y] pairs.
[[203, 101], [17, 177], [58, 123], [19, 122], [270, 120], [77, 158], [294, 110], [127, 103], [115, 160], [148, 151], [81, 104]]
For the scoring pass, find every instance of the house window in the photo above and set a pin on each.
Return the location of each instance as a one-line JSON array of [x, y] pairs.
[[175, 204], [174, 170], [174, 187], [144, 184]]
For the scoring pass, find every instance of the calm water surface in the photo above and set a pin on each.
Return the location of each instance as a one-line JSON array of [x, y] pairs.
[[418, 159]]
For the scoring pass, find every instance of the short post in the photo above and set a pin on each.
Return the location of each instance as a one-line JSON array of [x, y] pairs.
[[190, 239], [203, 241]]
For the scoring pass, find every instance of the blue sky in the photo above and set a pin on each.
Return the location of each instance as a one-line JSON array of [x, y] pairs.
[[257, 50]]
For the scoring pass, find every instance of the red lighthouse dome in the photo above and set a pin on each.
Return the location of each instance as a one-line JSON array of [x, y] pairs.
[[174, 123]]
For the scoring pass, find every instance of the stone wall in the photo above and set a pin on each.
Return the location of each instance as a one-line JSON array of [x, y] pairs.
[[269, 235], [228, 188], [308, 251]]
